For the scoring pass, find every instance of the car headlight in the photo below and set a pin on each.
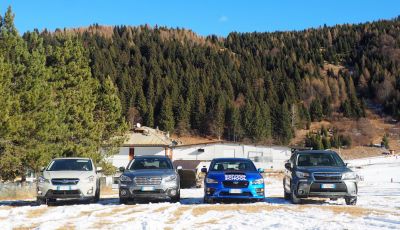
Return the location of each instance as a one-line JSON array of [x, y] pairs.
[[89, 179], [170, 178], [43, 180], [211, 181], [124, 178], [302, 174], [349, 176], [258, 181]]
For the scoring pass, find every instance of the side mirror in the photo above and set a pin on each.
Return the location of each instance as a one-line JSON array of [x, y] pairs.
[[179, 168], [288, 166], [99, 169], [42, 169], [122, 169], [260, 170], [204, 170]]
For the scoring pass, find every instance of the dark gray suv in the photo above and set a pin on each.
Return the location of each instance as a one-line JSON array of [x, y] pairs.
[[319, 173], [149, 178]]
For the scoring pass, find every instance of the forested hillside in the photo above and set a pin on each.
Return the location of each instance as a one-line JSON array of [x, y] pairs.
[[69, 92], [249, 86]]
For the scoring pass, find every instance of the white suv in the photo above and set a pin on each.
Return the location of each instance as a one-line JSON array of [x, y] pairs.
[[69, 178]]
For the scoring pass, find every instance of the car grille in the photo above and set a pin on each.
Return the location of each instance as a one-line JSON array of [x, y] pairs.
[[147, 180], [235, 184], [67, 192], [65, 181], [328, 176]]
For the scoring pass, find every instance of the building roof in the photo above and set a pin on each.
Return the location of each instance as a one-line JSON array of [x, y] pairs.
[[147, 137]]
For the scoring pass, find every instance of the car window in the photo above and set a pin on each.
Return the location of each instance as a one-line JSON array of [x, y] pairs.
[[151, 163], [319, 159], [70, 165], [233, 165]]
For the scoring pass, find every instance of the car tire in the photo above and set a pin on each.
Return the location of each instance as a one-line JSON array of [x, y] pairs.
[[123, 200], [351, 200], [40, 201], [96, 197], [208, 200], [176, 198], [286, 195], [294, 198]]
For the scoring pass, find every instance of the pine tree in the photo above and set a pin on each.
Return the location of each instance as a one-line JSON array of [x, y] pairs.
[[76, 96], [166, 119], [218, 122], [316, 110]]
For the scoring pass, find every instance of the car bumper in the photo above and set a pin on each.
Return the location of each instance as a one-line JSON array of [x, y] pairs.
[[308, 188], [161, 191], [79, 191], [218, 191]]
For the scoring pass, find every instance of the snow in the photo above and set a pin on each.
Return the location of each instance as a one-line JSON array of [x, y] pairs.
[[378, 208]]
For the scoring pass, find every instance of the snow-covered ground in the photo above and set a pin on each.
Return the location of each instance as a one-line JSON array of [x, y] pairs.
[[378, 208]]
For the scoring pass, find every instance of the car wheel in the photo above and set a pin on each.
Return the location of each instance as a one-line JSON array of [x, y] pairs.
[[294, 198], [286, 195], [96, 197], [208, 200], [123, 200], [176, 198], [40, 201], [351, 200]]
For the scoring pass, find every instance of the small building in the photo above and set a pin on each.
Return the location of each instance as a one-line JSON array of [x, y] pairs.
[[266, 157], [142, 141]]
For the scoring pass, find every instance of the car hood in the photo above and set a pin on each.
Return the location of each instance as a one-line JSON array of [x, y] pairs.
[[150, 172], [323, 169], [221, 176], [67, 174]]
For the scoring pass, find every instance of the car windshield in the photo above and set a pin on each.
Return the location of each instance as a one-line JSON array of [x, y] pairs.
[[232, 165], [319, 159], [151, 163], [70, 165]]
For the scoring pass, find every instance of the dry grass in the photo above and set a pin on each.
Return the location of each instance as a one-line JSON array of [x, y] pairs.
[[177, 214], [26, 228], [161, 209], [36, 213], [336, 209], [17, 194], [113, 212], [68, 226]]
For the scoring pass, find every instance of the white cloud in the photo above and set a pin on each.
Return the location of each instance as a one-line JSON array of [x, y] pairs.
[[223, 18]]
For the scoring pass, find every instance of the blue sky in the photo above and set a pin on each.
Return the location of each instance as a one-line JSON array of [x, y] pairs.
[[204, 17]]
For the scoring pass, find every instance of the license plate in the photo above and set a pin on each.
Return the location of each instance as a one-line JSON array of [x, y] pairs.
[[147, 188], [64, 188], [328, 186], [235, 191]]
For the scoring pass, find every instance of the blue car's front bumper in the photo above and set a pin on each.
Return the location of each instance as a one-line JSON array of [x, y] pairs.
[[219, 191]]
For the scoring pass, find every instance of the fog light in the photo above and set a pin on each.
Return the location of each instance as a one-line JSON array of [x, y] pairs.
[[90, 191], [123, 192], [39, 192], [173, 192]]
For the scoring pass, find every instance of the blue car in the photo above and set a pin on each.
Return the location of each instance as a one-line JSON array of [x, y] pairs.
[[233, 179]]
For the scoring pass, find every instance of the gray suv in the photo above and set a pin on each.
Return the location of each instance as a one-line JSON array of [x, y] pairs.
[[319, 173], [150, 178]]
